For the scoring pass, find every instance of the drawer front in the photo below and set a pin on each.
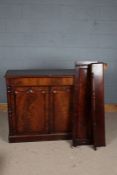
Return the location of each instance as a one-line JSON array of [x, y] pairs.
[[40, 81]]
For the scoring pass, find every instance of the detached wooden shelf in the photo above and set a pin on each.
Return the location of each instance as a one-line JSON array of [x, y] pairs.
[[88, 122], [57, 104]]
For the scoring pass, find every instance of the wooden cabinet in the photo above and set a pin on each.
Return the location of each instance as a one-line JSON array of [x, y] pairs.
[[57, 104], [39, 105]]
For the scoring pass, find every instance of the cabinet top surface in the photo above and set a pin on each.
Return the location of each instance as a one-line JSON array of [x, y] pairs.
[[39, 73]]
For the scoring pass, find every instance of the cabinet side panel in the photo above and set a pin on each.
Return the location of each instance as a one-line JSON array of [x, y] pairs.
[[11, 113]]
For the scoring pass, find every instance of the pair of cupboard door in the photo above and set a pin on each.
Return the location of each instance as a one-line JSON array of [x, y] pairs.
[[41, 110]]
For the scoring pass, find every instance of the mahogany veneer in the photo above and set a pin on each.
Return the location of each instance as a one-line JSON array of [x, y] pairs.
[[57, 104], [88, 120], [40, 104]]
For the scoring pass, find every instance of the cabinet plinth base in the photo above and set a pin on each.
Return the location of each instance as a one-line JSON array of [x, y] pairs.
[[46, 137]]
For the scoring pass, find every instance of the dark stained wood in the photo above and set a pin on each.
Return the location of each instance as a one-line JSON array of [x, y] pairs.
[[37, 109], [57, 104], [82, 107], [31, 105], [39, 137], [61, 98], [98, 116], [45, 81], [88, 121]]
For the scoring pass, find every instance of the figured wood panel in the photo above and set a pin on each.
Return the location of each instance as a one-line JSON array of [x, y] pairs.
[[42, 81], [31, 110], [61, 100], [82, 129], [84, 118]]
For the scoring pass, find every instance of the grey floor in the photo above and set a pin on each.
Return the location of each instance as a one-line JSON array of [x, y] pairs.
[[57, 157]]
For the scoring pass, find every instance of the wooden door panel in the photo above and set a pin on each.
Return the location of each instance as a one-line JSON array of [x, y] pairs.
[[84, 106], [31, 110], [82, 129], [61, 109]]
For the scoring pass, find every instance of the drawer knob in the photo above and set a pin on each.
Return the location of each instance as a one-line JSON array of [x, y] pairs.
[[54, 92], [30, 91]]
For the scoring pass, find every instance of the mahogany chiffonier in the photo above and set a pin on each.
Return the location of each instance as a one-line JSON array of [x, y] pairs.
[[57, 104], [40, 104]]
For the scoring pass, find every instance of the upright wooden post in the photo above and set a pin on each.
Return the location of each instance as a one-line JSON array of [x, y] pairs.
[[98, 114]]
